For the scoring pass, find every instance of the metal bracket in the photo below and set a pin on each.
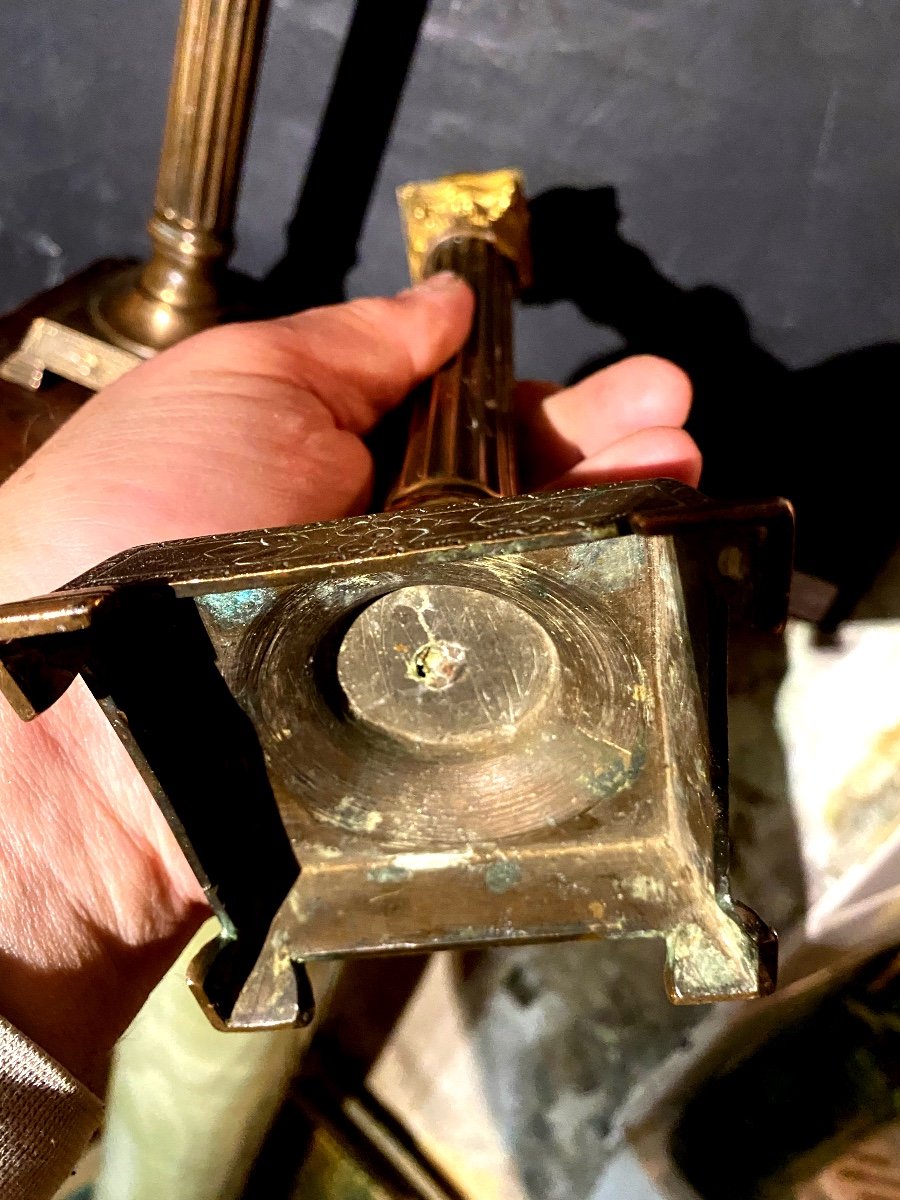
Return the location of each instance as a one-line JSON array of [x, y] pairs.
[[51, 346]]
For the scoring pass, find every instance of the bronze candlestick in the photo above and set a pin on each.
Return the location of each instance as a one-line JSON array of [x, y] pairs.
[[476, 719], [185, 287], [96, 326]]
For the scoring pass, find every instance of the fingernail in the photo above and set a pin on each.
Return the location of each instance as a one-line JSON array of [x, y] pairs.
[[444, 281]]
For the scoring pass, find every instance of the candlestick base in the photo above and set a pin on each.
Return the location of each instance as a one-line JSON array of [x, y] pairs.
[[52, 357]]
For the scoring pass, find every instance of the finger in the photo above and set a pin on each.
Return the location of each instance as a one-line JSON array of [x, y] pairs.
[[647, 454], [356, 359], [578, 422]]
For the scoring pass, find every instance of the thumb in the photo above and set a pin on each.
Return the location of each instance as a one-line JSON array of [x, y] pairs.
[[240, 427], [357, 359]]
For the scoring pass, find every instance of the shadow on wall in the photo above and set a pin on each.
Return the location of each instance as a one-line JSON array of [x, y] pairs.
[[823, 436], [820, 436], [322, 242]]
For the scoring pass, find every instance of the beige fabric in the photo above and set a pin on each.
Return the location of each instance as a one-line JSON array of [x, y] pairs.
[[46, 1119]]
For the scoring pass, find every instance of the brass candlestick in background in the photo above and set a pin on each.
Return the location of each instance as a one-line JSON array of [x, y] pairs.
[[105, 320], [473, 720], [184, 286]]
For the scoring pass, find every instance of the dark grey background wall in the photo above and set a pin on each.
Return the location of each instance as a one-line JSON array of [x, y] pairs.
[[731, 176], [753, 145]]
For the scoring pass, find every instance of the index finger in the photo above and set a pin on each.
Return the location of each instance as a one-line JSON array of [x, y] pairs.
[[559, 427]]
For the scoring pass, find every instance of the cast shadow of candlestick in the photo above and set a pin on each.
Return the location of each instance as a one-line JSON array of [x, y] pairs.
[[322, 242], [822, 436], [323, 235]]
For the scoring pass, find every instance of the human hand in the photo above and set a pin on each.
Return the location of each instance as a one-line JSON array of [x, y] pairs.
[[242, 427]]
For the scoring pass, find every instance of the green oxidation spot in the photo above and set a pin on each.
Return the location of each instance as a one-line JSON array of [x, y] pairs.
[[389, 874], [235, 608], [501, 876], [614, 772]]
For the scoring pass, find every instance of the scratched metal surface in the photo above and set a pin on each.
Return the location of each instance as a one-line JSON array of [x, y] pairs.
[[516, 522]]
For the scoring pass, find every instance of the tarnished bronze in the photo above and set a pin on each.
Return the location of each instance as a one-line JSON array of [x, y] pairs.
[[477, 720], [109, 317], [30, 414], [461, 435], [52, 346], [184, 288], [489, 205]]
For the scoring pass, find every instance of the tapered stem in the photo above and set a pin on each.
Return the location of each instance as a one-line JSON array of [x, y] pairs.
[[461, 440], [180, 289]]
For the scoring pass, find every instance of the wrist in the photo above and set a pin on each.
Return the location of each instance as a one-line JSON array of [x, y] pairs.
[[96, 899]]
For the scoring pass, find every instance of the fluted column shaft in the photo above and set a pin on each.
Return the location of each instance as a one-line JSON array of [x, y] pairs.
[[461, 440], [214, 76], [206, 125]]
